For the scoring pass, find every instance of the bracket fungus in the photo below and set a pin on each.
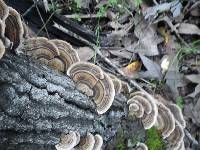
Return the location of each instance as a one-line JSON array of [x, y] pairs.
[[87, 143], [146, 103], [4, 11], [68, 141], [14, 29], [2, 29], [2, 49], [176, 111], [136, 109], [117, 83], [91, 80], [41, 48], [175, 140], [67, 56], [98, 142], [178, 115], [165, 120], [125, 87], [141, 146]]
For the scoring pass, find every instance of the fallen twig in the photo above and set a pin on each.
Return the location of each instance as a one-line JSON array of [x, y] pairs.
[[83, 16], [28, 10], [194, 141], [41, 18]]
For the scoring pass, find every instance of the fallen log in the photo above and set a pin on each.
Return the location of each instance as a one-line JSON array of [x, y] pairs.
[[38, 104]]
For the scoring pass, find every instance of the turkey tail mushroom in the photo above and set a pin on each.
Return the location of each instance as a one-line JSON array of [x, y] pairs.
[[178, 115], [14, 29], [41, 49], [175, 139], [4, 10], [98, 142], [165, 120], [136, 109], [104, 94], [87, 143], [68, 141], [2, 29], [67, 56], [144, 107], [91, 80], [2, 49], [117, 83], [176, 111], [141, 146]]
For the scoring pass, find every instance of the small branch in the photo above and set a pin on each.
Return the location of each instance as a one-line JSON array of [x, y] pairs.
[[28, 10], [83, 16], [41, 18], [194, 141]]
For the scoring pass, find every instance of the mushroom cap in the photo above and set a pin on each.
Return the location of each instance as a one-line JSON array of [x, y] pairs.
[[136, 109], [125, 87], [104, 93], [67, 57], [141, 146], [80, 67], [90, 75], [4, 10], [182, 146], [176, 137], [68, 141], [87, 143], [26, 30], [98, 142], [14, 29], [41, 49], [117, 83], [178, 115], [144, 102], [176, 111], [2, 28], [2, 49], [165, 120], [150, 114]]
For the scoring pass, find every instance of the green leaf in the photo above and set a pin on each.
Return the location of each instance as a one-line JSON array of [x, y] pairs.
[[180, 102], [138, 2]]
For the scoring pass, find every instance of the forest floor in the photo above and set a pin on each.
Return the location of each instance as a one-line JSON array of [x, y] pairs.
[[154, 43]]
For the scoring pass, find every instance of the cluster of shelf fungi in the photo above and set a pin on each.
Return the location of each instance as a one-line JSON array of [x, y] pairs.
[[152, 111]]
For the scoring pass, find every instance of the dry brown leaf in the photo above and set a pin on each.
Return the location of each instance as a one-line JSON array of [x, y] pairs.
[[85, 53], [121, 53], [148, 38], [174, 79], [187, 28], [195, 79], [153, 70]]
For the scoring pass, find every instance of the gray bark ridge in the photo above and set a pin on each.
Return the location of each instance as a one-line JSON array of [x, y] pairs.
[[38, 104]]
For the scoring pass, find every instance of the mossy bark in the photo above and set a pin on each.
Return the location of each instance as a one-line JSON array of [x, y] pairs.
[[37, 104]]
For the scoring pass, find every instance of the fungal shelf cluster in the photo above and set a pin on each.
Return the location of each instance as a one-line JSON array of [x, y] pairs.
[[94, 82]]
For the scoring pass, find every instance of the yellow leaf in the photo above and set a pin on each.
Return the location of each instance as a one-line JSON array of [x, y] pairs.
[[165, 34], [132, 68]]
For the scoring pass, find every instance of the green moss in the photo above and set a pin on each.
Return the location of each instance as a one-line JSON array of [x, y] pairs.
[[121, 146], [120, 141], [154, 140]]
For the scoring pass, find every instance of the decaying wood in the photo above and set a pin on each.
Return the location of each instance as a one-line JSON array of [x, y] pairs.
[[38, 104]]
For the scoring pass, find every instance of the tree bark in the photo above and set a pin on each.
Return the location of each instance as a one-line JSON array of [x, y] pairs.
[[38, 104]]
